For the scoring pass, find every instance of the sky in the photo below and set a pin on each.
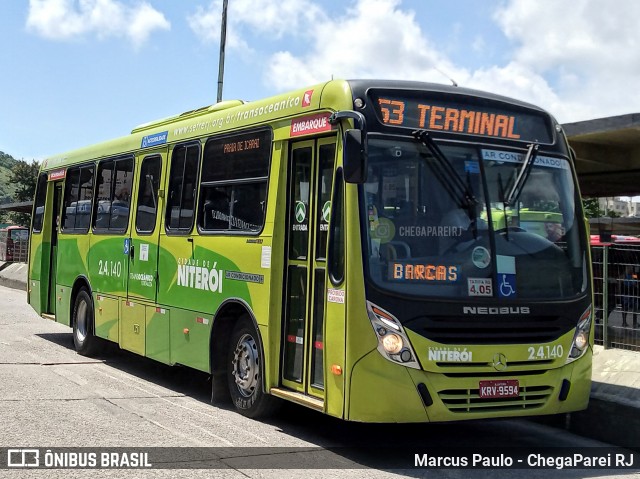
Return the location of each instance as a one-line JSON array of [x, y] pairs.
[[77, 72]]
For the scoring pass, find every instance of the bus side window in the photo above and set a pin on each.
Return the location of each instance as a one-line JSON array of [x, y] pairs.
[[78, 192], [147, 208], [113, 195], [215, 210], [248, 202], [182, 187], [103, 195], [233, 186], [38, 209]]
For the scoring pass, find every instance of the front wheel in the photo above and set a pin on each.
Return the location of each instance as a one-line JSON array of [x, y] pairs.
[[245, 375], [85, 342]]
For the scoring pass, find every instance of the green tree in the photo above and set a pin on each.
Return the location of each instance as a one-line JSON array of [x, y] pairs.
[[24, 176], [7, 160], [7, 188], [592, 208]]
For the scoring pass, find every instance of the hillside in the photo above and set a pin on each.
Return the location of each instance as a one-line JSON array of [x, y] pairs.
[[6, 188]]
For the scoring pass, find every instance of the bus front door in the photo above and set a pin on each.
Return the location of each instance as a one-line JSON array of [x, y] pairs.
[[311, 168], [55, 224]]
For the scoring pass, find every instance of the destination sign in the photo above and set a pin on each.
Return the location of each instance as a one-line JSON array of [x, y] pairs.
[[237, 156], [477, 116]]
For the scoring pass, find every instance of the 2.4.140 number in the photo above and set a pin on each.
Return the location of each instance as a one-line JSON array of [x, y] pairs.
[[545, 352], [109, 268]]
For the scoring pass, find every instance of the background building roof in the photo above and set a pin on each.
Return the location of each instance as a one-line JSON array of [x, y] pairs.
[[608, 155]]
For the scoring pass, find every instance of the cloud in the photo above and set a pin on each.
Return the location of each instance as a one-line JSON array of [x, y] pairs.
[[374, 38], [581, 34], [591, 48], [571, 58], [205, 23], [67, 19], [270, 18], [519, 81]]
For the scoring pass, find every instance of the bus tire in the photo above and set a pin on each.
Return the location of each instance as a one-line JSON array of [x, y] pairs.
[[245, 375], [85, 342]]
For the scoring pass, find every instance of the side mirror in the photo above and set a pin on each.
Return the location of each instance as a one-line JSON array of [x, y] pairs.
[[354, 157]]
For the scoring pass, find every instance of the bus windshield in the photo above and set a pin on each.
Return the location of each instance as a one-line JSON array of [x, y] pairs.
[[425, 238]]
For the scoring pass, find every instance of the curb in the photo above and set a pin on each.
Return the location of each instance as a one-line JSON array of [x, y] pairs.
[[609, 422], [13, 275], [13, 283]]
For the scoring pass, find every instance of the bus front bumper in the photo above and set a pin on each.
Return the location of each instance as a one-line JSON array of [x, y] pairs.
[[382, 391]]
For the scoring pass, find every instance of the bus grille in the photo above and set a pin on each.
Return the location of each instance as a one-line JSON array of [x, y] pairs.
[[468, 400], [510, 330]]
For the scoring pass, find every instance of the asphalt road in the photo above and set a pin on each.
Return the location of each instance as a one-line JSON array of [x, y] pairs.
[[52, 397]]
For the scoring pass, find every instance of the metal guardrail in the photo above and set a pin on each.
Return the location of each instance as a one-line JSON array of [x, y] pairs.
[[616, 284]]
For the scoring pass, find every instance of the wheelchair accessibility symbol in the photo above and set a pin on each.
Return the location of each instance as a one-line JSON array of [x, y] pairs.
[[507, 287]]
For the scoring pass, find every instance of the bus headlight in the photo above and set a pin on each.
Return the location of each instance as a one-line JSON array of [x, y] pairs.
[[393, 343], [581, 338]]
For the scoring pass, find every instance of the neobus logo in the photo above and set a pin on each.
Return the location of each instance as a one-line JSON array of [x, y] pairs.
[[490, 310]]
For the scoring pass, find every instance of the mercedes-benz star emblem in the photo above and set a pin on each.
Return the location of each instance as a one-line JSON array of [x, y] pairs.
[[499, 362]]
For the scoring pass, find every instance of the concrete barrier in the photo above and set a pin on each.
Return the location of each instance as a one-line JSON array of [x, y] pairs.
[[14, 275]]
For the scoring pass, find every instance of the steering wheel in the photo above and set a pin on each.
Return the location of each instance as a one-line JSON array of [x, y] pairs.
[[460, 246]]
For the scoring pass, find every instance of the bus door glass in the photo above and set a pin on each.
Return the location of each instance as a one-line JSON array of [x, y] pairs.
[[108, 257], [309, 193], [143, 249], [55, 224]]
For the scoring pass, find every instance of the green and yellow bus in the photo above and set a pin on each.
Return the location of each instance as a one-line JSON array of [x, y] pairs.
[[333, 246]]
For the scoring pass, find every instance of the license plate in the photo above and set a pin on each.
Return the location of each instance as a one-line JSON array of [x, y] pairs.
[[508, 388]]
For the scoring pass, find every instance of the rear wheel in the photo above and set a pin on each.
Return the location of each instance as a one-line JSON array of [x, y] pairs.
[[84, 340], [245, 375]]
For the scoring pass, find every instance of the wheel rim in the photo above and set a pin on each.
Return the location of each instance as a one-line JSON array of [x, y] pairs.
[[82, 322], [246, 365]]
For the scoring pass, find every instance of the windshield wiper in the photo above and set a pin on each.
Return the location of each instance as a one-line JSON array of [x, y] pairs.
[[523, 174], [460, 193]]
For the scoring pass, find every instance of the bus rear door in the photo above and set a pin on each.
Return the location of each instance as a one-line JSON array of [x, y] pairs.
[[143, 248], [145, 327]]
